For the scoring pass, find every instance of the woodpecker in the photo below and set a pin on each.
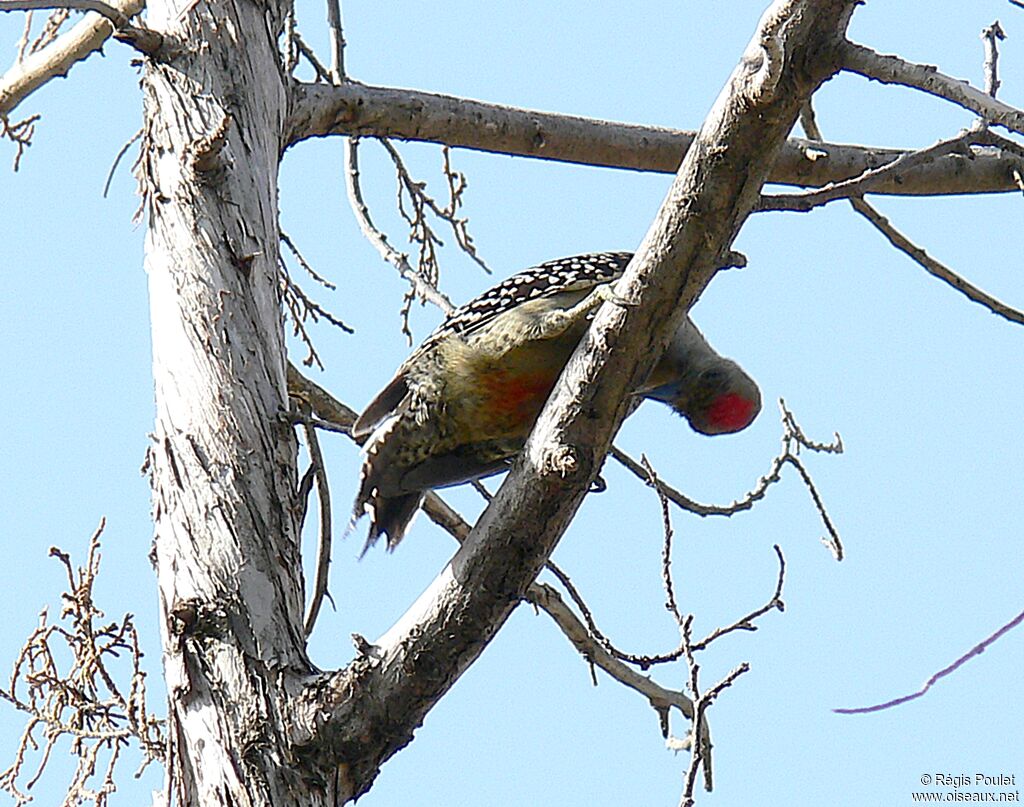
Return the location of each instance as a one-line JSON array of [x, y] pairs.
[[464, 402]]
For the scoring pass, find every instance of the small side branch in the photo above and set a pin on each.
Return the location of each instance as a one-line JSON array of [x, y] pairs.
[[301, 307], [420, 229], [421, 286], [934, 267], [324, 532], [793, 439], [747, 622], [889, 69], [810, 199], [991, 35], [701, 742], [322, 72], [977, 650], [337, 41], [60, 55]]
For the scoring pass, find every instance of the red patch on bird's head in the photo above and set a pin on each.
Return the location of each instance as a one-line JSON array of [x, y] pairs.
[[731, 412]]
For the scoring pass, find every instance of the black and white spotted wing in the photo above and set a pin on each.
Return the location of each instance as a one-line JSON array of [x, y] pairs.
[[552, 277]]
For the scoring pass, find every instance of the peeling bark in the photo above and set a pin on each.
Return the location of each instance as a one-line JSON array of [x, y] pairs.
[[222, 462]]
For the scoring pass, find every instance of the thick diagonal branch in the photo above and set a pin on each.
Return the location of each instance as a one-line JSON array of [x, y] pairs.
[[366, 713]]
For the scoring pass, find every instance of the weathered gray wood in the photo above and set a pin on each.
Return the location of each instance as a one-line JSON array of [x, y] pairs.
[[222, 463], [359, 109]]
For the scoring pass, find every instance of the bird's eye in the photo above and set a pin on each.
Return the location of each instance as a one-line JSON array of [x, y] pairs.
[[712, 377]]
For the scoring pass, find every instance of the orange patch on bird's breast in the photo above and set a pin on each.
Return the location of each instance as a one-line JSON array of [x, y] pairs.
[[514, 398]]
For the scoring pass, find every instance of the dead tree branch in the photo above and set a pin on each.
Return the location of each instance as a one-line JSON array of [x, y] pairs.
[[991, 35], [977, 650], [855, 186], [56, 58], [421, 202], [420, 285], [324, 534], [905, 245], [81, 682], [889, 69], [358, 109], [934, 267]]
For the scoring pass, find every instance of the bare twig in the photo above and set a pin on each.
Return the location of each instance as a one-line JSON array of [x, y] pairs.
[[23, 40], [747, 622], [991, 36], [337, 41], [322, 72], [301, 307], [793, 439], [889, 69], [287, 241], [701, 743], [977, 650], [50, 30], [902, 243], [801, 440], [414, 193], [289, 46], [810, 199], [63, 681], [113, 14], [324, 536], [19, 133], [117, 160], [421, 202], [643, 661], [934, 267], [420, 285], [666, 547]]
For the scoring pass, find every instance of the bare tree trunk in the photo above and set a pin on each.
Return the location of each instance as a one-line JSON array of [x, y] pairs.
[[222, 461]]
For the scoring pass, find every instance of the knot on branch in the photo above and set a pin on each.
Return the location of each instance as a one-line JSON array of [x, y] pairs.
[[560, 459]]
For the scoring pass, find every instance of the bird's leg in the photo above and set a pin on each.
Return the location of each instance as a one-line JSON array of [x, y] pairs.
[[552, 323]]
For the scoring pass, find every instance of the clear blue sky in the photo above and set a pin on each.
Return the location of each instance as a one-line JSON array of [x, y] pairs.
[[925, 388]]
